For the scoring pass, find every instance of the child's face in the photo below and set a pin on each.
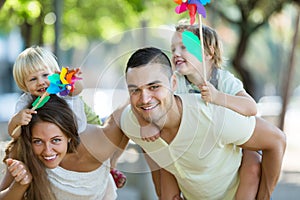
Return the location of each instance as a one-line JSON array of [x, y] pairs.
[[183, 61], [37, 82]]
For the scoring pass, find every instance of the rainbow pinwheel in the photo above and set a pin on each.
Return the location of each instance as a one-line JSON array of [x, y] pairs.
[[63, 83], [194, 6]]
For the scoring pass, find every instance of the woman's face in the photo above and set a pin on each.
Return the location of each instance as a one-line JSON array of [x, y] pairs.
[[49, 143], [183, 61]]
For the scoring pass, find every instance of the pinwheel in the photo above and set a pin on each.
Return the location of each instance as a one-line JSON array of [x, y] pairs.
[[62, 83], [194, 6]]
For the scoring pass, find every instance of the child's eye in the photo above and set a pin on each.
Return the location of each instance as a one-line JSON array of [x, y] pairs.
[[183, 47], [46, 75], [32, 79], [173, 50]]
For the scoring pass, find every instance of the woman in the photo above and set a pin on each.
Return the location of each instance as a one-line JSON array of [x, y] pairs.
[[48, 161]]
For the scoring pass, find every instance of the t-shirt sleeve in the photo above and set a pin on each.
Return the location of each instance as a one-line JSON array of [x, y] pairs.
[[231, 127], [23, 102], [91, 116], [229, 84]]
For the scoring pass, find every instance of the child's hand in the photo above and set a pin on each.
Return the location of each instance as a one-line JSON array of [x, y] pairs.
[[19, 171], [208, 92], [150, 133], [77, 71], [24, 117]]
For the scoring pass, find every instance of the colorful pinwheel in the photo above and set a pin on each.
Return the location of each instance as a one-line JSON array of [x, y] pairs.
[[194, 6], [63, 83]]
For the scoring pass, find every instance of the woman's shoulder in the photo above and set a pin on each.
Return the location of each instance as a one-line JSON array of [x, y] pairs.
[[80, 161]]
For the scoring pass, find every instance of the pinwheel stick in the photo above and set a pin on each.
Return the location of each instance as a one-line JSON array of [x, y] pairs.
[[202, 46], [15, 131], [202, 49]]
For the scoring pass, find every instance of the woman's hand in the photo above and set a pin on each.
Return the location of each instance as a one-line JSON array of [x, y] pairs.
[[19, 171]]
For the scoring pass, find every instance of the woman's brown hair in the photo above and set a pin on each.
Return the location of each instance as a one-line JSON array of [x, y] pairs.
[[55, 111]]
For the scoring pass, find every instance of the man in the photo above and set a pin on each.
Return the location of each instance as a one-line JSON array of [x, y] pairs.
[[199, 144]]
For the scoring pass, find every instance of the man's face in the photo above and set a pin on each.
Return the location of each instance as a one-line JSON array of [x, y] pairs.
[[150, 91]]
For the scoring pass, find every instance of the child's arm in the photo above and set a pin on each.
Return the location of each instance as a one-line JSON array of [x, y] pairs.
[[91, 116], [21, 118], [241, 103]]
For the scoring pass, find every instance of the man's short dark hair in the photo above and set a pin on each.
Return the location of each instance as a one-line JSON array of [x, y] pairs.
[[148, 55]]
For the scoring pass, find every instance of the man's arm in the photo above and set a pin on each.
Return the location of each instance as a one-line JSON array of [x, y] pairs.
[[272, 142]]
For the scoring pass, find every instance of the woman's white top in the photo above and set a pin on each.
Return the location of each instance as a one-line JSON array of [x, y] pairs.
[[94, 185]]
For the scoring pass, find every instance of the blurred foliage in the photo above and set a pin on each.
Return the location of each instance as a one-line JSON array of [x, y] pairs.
[[81, 20], [247, 17], [256, 31]]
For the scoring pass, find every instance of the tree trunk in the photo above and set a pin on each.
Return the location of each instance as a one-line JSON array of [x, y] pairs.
[[286, 92], [240, 66], [1, 3], [26, 32]]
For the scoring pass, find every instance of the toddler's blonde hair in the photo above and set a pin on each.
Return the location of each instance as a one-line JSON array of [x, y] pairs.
[[31, 60]]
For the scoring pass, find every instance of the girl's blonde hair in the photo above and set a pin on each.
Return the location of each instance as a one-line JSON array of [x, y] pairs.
[[211, 41], [31, 60]]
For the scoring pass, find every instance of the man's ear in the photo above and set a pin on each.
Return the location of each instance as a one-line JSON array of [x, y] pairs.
[[173, 82]]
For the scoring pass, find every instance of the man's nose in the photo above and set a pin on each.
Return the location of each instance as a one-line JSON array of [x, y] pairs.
[[145, 96]]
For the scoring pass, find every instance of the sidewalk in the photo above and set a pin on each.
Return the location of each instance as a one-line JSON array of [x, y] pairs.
[[288, 187], [289, 183]]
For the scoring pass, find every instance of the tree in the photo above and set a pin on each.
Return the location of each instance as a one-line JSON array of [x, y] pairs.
[[252, 15], [28, 16], [81, 21]]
